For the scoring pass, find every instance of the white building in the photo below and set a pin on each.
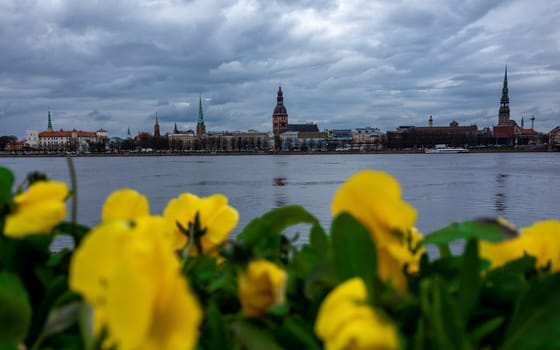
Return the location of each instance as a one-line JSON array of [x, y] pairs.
[[32, 138]]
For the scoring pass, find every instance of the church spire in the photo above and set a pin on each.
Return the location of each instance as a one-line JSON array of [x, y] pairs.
[[503, 116], [156, 128], [175, 130], [49, 125], [200, 113], [200, 127], [505, 93]]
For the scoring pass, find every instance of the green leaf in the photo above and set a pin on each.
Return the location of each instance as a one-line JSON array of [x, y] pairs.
[[319, 241], [469, 283], [503, 286], [215, 331], [448, 330], [253, 337], [277, 220], [484, 329], [21, 254], [282, 218], [264, 234], [61, 318], [482, 230], [15, 309], [298, 328], [354, 251], [6, 183], [536, 321], [56, 289], [320, 280]]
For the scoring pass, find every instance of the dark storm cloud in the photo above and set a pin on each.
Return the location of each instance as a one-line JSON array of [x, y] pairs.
[[341, 64], [99, 116]]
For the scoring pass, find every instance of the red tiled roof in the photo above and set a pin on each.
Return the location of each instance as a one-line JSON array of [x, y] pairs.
[[528, 132], [65, 133]]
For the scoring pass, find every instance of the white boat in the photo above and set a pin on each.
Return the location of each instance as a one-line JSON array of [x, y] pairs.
[[445, 149]]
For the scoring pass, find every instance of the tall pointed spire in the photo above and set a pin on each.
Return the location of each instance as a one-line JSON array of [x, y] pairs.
[[200, 113], [200, 127], [128, 135], [49, 125], [175, 130], [156, 128], [503, 115], [505, 92]]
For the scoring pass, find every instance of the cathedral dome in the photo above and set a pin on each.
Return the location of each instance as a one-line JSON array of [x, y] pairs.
[[280, 109]]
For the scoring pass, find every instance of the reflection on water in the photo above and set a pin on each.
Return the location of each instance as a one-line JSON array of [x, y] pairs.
[[501, 198], [279, 181], [280, 195]]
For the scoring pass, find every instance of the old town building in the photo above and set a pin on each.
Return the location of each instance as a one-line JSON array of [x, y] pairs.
[[453, 135], [65, 140]]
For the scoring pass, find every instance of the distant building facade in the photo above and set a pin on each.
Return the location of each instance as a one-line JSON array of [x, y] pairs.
[[554, 137], [65, 140], [426, 137]]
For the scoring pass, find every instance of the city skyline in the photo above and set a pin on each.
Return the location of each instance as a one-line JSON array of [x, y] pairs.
[[341, 65]]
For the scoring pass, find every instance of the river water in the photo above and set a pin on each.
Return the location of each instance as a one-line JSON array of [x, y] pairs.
[[521, 187]]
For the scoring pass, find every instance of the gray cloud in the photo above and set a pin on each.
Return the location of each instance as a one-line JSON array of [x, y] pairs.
[[341, 64]]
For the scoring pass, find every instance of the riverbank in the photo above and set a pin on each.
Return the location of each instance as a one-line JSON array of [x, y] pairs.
[[194, 153]]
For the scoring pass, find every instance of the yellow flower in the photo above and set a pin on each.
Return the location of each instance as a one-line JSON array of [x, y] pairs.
[[346, 321], [260, 286], [125, 204], [216, 220], [374, 198], [38, 210], [542, 240], [132, 278]]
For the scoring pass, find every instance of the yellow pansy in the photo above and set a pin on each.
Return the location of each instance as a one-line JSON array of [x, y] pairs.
[[38, 210], [541, 240], [261, 285], [125, 204], [374, 198], [132, 278], [346, 321], [215, 217]]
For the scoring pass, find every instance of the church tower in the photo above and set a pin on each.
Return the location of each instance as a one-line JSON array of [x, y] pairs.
[[200, 127], [503, 116], [49, 125], [280, 115], [156, 128]]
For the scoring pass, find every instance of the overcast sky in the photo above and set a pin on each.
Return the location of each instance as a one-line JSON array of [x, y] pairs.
[[342, 64]]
